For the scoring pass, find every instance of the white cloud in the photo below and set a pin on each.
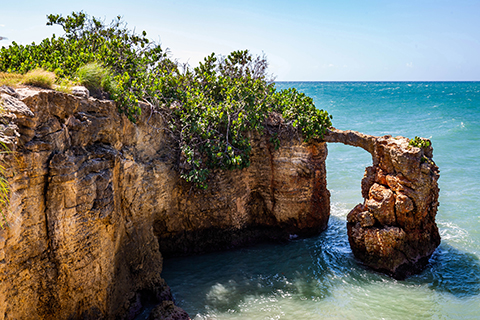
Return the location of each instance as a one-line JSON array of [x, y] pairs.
[[409, 64], [330, 65]]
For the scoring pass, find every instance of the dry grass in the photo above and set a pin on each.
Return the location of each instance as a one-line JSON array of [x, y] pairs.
[[40, 78], [64, 86], [10, 79]]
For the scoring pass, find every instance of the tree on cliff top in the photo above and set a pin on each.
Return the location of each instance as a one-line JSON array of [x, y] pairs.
[[210, 108]]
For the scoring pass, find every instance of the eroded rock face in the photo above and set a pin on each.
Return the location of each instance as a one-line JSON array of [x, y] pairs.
[[282, 193], [394, 230], [96, 201]]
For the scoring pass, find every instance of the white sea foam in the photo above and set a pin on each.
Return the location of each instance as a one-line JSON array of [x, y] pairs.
[[339, 209], [452, 232], [221, 294]]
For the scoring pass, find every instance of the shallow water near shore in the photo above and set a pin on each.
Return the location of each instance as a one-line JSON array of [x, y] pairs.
[[318, 278]]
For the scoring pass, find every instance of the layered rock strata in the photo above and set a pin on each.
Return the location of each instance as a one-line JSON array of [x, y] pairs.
[[96, 200], [394, 230]]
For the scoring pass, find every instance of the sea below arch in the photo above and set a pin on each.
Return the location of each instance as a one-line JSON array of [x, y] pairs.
[[318, 278]]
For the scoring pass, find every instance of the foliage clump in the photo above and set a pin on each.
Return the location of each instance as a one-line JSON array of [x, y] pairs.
[[4, 189], [93, 76], [39, 78], [210, 109], [419, 142]]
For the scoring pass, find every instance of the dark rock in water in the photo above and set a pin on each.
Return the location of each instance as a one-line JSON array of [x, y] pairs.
[[394, 230], [167, 310]]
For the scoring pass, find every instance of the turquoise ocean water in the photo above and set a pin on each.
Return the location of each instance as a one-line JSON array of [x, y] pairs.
[[318, 278]]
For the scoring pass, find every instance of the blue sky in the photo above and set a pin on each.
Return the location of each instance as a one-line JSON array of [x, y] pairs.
[[303, 40]]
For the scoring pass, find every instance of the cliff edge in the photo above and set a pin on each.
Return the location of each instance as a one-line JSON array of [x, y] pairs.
[[96, 202]]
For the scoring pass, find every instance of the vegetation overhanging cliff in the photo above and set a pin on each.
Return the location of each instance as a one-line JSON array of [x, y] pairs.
[[209, 109], [98, 197], [96, 200]]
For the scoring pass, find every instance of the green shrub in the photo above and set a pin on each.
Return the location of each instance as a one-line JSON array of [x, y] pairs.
[[419, 142], [63, 85], [39, 78], [210, 109], [220, 102], [4, 185], [4, 191]]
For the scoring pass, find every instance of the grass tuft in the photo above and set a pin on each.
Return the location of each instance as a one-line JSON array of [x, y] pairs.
[[10, 79], [63, 85], [39, 78], [93, 76]]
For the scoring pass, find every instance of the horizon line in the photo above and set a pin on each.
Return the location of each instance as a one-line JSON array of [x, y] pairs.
[[275, 81]]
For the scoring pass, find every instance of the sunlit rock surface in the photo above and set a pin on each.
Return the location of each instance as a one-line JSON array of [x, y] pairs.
[[394, 230], [96, 201]]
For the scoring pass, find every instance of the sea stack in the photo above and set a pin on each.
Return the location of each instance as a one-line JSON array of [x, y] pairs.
[[394, 230]]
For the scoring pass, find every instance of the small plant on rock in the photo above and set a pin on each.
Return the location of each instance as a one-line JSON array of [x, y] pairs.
[[93, 76], [63, 85], [419, 142], [39, 78], [4, 185], [4, 190]]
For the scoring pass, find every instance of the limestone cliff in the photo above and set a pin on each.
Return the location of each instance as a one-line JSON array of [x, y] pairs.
[[96, 201], [394, 230]]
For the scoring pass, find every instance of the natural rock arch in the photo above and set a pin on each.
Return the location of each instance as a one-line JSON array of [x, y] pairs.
[[394, 230], [96, 203]]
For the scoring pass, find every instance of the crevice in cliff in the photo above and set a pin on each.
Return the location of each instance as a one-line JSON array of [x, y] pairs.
[[48, 299], [272, 169]]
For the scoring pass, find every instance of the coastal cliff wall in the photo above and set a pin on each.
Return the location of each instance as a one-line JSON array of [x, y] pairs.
[[96, 201]]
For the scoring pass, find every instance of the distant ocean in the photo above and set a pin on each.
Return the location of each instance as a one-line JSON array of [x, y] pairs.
[[318, 278]]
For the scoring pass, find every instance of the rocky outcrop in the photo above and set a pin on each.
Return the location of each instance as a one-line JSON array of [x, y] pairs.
[[281, 194], [96, 200], [394, 230]]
